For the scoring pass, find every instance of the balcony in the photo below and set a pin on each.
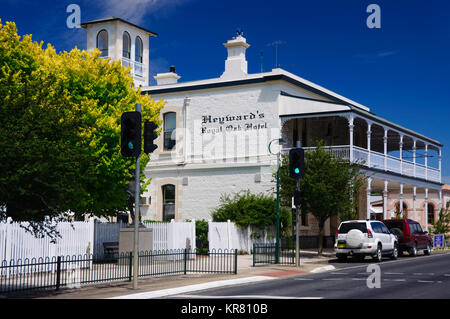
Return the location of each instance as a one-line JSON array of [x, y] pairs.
[[379, 161], [137, 69]]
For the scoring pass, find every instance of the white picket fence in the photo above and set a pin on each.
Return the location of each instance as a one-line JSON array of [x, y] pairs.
[[166, 236], [173, 235], [226, 235], [20, 247]]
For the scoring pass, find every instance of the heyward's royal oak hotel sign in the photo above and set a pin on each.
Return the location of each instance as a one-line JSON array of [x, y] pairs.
[[251, 123]]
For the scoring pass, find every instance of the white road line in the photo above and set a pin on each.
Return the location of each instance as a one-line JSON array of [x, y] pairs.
[[191, 288], [303, 279], [393, 273], [423, 273], [244, 297], [333, 279], [359, 279], [399, 280], [426, 281]]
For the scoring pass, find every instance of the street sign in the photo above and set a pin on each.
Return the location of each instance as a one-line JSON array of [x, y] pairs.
[[438, 241]]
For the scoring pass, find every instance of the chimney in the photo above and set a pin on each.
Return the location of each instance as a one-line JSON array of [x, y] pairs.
[[167, 78], [236, 64]]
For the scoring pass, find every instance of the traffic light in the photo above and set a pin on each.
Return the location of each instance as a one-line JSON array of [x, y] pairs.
[[297, 163], [130, 135], [149, 137]]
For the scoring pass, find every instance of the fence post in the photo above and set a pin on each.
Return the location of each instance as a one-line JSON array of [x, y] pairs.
[[130, 266], [235, 261], [185, 261], [229, 234], [253, 254], [58, 272]]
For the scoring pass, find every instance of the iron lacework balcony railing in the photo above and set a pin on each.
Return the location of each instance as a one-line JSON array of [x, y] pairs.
[[380, 161]]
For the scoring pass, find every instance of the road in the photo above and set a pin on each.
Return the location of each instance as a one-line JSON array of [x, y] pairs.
[[426, 277]]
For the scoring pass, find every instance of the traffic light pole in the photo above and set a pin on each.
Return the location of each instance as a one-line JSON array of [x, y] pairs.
[[297, 226], [136, 214]]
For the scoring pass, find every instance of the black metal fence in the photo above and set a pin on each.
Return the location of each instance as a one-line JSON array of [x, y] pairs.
[[266, 254], [75, 271]]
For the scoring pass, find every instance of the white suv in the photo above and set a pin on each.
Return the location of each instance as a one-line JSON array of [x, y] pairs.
[[360, 238]]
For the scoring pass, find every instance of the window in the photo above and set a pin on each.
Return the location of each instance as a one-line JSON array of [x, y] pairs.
[[138, 50], [430, 213], [102, 43], [169, 128], [126, 43], [168, 192], [376, 227], [346, 227]]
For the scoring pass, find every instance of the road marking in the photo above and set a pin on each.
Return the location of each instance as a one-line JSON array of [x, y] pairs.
[[303, 279], [426, 281], [244, 297], [323, 269], [394, 273], [359, 279], [423, 274], [332, 278], [394, 280], [191, 288]]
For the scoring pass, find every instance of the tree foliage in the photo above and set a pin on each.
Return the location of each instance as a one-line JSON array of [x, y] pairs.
[[60, 130], [247, 209], [329, 187], [442, 225]]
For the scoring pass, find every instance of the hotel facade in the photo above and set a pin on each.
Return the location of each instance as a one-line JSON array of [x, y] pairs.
[[215, 138]]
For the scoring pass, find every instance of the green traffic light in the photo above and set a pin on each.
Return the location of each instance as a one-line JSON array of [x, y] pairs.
[[297, 171], [130, 145]]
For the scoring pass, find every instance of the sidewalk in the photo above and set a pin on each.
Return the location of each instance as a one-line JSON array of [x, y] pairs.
[[171, 284]]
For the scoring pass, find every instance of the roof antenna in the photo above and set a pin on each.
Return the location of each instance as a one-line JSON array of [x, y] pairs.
[[276, 44]]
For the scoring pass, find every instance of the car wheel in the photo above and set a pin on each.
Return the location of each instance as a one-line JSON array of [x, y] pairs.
[[413, 250], [378, 257], [427, 251], [395, 252]]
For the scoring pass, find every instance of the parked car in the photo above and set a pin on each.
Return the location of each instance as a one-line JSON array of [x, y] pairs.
[[360, 238], [411, 237]]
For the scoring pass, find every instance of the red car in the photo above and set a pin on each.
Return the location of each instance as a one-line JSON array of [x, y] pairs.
[[411, 237]]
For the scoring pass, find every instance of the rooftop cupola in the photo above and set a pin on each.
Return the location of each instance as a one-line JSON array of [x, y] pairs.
[[236, 64]]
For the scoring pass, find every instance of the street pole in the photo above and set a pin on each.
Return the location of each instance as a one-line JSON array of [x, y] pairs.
[[297, 226], [277, 249], [277, 240], [136, 214]]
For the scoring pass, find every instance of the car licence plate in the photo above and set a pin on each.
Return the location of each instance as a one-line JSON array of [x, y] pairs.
[[341, 244]]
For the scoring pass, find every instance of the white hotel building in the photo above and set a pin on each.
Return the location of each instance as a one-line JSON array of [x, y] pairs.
[[216, 132]]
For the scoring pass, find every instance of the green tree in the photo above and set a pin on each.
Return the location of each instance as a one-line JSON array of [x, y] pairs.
[[247, 209], [329, 187], [60, 131], [442, 225]]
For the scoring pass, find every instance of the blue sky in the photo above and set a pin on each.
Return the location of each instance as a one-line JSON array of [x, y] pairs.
[[401, 71]]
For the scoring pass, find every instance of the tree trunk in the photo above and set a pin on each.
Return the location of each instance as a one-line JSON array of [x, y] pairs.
[[320, 246]]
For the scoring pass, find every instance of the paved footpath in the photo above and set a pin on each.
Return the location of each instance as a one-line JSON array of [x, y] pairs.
[[165, 286]]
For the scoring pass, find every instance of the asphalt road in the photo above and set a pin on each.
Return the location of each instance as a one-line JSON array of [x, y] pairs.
[[421, 277]]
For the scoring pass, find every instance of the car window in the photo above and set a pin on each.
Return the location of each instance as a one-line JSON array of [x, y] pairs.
[[376, 227], [414, 229], [394, 224], [419, 228], [384, 229], [346, 227]]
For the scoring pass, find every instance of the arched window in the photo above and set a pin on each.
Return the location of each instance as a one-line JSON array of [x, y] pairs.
[[170, 123], [397, 212], [430, 213], [102, 43], [138, 50], [168, 192], [126, 43]]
